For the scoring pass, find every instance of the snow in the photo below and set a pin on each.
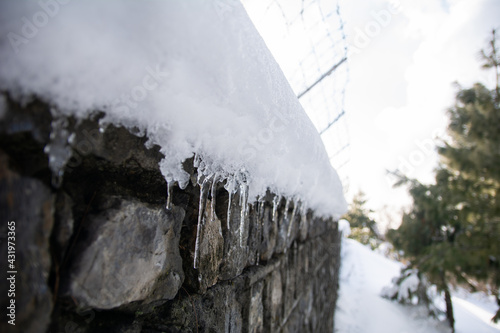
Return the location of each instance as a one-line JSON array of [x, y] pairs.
[[360, 308], [344, 227], [385, 249], [195, 76], [407, 286]]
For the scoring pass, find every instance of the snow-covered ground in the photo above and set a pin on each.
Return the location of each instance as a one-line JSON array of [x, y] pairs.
[[360, 308]]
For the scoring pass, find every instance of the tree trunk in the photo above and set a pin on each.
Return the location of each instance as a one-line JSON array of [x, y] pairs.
[[496, 317], [449, 306]]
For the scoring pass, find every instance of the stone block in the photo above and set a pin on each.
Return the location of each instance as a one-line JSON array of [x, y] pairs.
[[211, 249], [256, 309], [235, 255], [131, 254]]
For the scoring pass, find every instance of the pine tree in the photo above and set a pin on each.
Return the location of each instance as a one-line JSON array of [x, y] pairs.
[[473, 156], [491, 58], [452, 232], [428, 233], [363, 228]]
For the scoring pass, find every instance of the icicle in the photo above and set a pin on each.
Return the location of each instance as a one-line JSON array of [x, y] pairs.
[[284, 233], [244, 210], [213, 194], [260, 227], [229, 210], [230, 187], [58, 150], [170, 190], [201, 213], [196, 161], [292, 220], [287, 207], [276, 202], [303, 211], [200, 177], [303, 220]]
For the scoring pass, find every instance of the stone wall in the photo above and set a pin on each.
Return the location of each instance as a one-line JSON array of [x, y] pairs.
[[98, 251]]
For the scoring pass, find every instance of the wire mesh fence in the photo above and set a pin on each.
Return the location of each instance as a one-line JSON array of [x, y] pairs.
[[308, 41]]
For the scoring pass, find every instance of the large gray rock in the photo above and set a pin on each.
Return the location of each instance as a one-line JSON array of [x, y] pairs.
[[30, 205], [131, 254]]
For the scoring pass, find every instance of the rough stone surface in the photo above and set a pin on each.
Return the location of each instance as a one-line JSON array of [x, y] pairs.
[[29, 204], [129, 249], [256, 310], [211, 249], [235, 255], [269, 231], [101, 253]]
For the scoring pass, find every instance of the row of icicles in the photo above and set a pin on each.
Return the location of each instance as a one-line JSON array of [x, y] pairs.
[[59, 153], [208, 186]]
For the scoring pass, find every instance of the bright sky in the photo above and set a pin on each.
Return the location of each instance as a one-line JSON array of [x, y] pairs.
[[401, 84], [404, 57]]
